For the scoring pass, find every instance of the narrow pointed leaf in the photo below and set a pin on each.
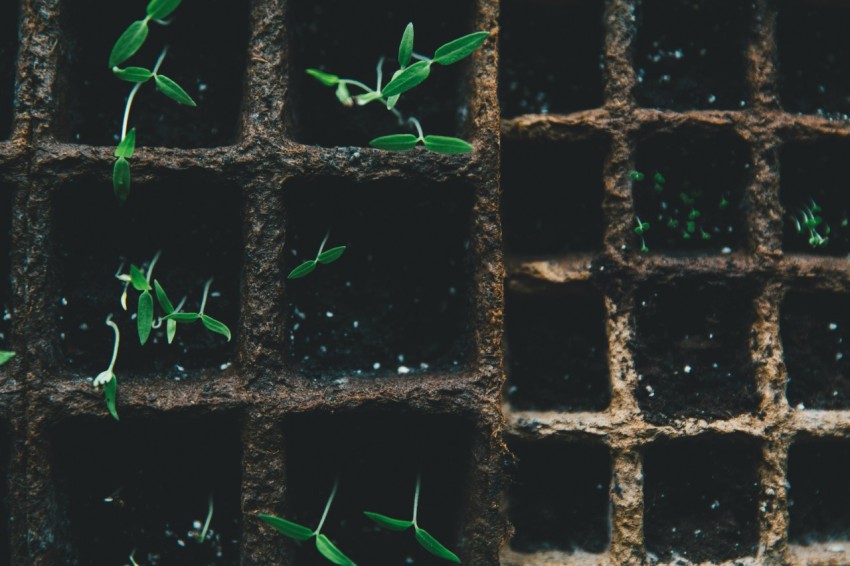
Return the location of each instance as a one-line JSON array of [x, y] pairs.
[[173, 90], [331, 255], [170, 330], [395, 142], [461, 47], [305, 268], [444, 144], [127, 146], [366, 98], [331, 552], [287, 528], [407, 79], [215, 326], [405, 48], [159, 9], [389, 522], [343, 95], [110, 391], [5, 356], [433, 546], [182, 316], [128, 43], [326, 79], [162, 298], [392, 101], [132, 74], [144, 317], [121, 179], [137, 278]]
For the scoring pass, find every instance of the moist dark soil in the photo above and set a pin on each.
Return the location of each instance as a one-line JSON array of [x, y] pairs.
[[557, 351], [5, 267], [5, 446], [397, 300], [376, 456], [550, 57], [196, 224], [208, 44], [347, 39], [8, 54], [692, 350], [710, 167], [816, 172], [701, 498], [819, 495], [143, 485], [690, 54], [814, 50], [552, 196], [559, 497]]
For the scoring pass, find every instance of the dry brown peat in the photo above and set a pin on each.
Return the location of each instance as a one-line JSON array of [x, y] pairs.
[[645, 403]]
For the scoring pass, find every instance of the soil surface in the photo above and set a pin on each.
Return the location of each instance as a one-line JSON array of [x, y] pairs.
[[8, 54], [5, 275], [819, 495]]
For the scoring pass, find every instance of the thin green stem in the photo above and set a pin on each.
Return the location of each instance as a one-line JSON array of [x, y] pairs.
[[206, 528], [117, 341], [153, 262], [206, 293], [416, 497], [136, 88], [421, 57], [358, 84], [322, 246], [418, 126], [380, 72], [327, 506]]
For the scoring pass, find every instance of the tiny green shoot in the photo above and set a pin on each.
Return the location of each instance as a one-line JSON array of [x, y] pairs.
[[202, 536], [141, 282], [324, 257], [133, 558], [107, 378], [808, 222], [209, 322], [5, 356], [640, 230]]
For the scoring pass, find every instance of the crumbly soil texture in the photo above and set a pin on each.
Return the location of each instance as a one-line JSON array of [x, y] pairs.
[[819, 496]]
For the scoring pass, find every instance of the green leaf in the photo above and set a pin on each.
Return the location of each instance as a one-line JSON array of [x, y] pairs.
[[128, 43], [5, 356], [392, 101], [137, 278], [144, 317], [395, 142], [326, 79], [162, 298], [173, 90], [127, 146], [343, 95], [132, 74], [331, 255], [110, 391], [215, 326], [305, 268], [182, 316], [433, 546], [367, 97], [389, 522], [170, 329], [287, 528], [461, 47], [159, 9], [331, 552], [444, 144], [405, 48], [407, 79], [121, 179]]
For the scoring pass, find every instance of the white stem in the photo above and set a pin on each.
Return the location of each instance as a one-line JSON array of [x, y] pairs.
[[380, 72], [206, 292], [206, 528], [133, 92], [420, 57], [418, 126], [153, 262], [117, 341], [322, 246], [328, 506], [416, 497], [358, 84]]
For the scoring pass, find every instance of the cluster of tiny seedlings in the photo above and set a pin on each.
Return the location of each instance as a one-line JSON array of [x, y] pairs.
[[405, 78], [809, 224], [125, 47], [324, 257]]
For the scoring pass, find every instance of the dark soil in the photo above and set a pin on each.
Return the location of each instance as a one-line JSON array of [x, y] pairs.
[[376, 456], [559, 497], [346, 39], [816, 172], [557, 351], [5, 267], [815, 330], [690, 54], [710, 167], [208, 42], [552, 196], [814, 50], [692, 350], [5, 445], [142, 484], [551, 56], [397, 300], [819, 495], [197, 225], [701, 498], [8, 54]]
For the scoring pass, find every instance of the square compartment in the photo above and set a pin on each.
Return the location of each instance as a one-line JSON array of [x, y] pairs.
[[8, 57], [207, 48], [376, 456], [557, 350], [814, 172], [701, 498], [702, 170], [144, 484], [814, 50], [550, 56], [690, 54], [819, 495], [559, 497], [552, 196], [691, 350], [196, 222], [5, 267], [329, 35], [398, 300]]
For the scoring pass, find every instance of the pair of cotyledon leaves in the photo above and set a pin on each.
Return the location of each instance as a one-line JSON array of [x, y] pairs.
[[323, 257]]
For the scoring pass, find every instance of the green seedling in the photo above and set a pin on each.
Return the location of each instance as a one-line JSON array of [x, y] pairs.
[[107, 378], [408, 76], [323, 257], [5, 356], [135, 35], [424, 538], [141, 282], [209, 322], [202, 536], [640, 230], [301, 533], [133, 558], [808, 223]]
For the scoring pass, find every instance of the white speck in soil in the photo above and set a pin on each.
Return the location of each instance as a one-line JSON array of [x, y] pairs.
[[715, 505], [224, 366], [833, 326], [196, 525], [181, 543], [179, 368], [650, 390], [512, 389], [329, 314], [403, 370], [726, 250], [84, 326], [64, 302], [296, 326], [300, 314], [423, 365], [323, 349], [341, 381], [801, 407], [688, 369], [697, 532], [202, 87], [742, 103], [839, 356], [355, 324], [712, 99], [401, 358], [62, 336], [835, 548], [376, 365], [452, 291]]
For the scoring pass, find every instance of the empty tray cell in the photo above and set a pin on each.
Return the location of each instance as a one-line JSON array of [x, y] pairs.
[[551, 56], [559, 498], [819, 495], [196, 223], [557, 350], [691, 350], [688, 186], [552, 196], [376, 456], [5, 267], [690, 54], [329, 35], [814, 50], [814, 196], [207, 45], [701, 498], [397, 301], [145, 485], [8, 55]]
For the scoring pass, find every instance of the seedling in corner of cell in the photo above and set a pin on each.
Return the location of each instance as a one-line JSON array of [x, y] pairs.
[[323, 257], [808, 222], [640, 230], [424, 538], [107, 378], [202, 535], [301, 533], [5, 356], [209, 322]]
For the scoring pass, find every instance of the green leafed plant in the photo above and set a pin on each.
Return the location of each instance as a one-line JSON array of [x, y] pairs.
[[640, 230], [107, 378], [301, 533], [202, 536], [324, 257], [408, 76], [424, 538], [5, 356], [141, 282], [209, 322], [809, 224]]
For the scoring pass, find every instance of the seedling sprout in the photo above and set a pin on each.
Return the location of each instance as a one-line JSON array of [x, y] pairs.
[[323, 257], [202, 536], [808, 222], [107, 377], [5, 356], [209, 322]]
